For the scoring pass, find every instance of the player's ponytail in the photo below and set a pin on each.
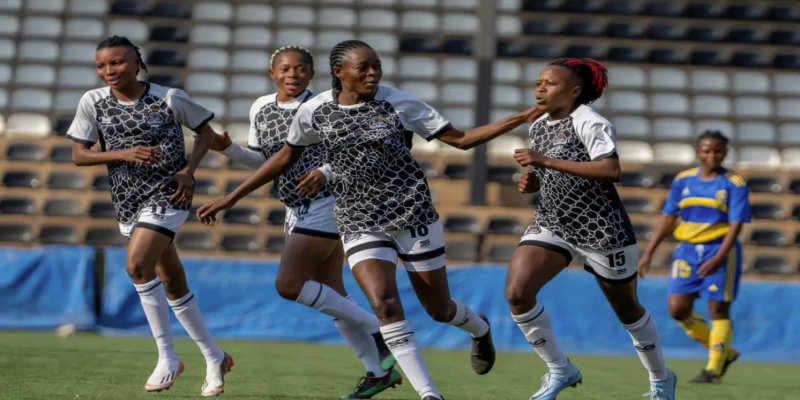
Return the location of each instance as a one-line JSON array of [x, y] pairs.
[[593, 75], [122, 41], [337, 54]]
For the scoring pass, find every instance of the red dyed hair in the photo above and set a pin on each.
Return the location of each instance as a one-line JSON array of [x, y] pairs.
[[592, 73]]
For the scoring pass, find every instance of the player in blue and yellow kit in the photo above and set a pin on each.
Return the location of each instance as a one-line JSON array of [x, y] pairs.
[[712, 205]]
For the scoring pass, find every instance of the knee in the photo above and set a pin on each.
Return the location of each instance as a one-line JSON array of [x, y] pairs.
[[289, 288], [441, 311], [386, 308], [680, 313], [139, 271], [518, 300]]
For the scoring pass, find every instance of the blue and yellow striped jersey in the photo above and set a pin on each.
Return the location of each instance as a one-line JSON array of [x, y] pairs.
[[707, 207]]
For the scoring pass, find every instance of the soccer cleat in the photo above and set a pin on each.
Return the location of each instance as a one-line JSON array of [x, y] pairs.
[[384, 354], [369, 385], [214, 385], [164, 376], [705, 376], [483, 354], [432, 398], [732, 357], [557, 380], [663, 390]]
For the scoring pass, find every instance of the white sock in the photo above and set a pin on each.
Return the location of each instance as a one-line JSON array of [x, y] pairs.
[[645, 339], [188, 313], [400, 339], [467, 320], [154, 302], [327, 301], [535, 325], [361, 342]]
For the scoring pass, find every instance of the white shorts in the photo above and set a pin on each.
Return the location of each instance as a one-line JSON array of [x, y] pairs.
[[615, 265], [316, 219], [421, 248], [159, 219]]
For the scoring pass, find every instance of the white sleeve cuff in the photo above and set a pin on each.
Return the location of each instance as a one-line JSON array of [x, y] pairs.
[[326, 170], [247, 157]]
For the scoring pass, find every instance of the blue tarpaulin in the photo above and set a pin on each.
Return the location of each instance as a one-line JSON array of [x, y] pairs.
[[43, 288]]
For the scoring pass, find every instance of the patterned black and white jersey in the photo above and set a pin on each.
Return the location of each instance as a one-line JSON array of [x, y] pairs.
[[269, 127], [153, 120], [585, 213], [379, 187]]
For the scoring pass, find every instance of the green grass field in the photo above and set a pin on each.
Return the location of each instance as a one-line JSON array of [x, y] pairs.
[[43, 366]]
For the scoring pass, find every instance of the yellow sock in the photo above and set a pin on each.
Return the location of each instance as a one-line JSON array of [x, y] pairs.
[[696, 328], [720, 340]]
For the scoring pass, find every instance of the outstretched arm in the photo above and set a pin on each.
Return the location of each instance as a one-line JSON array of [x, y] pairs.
[[470, 138], [269, 171]]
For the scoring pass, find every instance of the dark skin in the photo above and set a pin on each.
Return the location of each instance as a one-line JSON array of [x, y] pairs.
[[360, 74], [150, 253], [304, 257], [532, 267], [711, 153]]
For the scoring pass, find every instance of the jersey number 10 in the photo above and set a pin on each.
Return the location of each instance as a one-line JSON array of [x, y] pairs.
[[418, 231]]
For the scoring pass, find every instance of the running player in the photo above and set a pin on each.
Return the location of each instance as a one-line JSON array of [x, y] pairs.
[[311, 263], [382, 201], [138, 126], [712, 204], [574, 159]]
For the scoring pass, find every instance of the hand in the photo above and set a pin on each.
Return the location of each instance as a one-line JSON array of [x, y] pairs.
[[207, 213], [312, 183], [644, 264], [532, 114], [185, 186], [528, 183], [221, 142], [147, 155], [529, 158], [709, 267]]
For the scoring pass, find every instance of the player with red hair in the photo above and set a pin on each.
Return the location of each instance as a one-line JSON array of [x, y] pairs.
[[575, 164]]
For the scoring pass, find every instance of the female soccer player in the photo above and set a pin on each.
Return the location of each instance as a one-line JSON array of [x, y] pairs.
[[382, 201], [311, 264], [138, 125], [574, 159], [712, 204]]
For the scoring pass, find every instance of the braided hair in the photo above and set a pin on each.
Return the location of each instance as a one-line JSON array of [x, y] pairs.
[[713, 135], [593, 75], [337, 54], [122, 41], [287, 49]]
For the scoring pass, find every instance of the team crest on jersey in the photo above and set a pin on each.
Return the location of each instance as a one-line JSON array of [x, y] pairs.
[[262, 126], [561, 137], [155, 117], [377, 122], [722, 196]]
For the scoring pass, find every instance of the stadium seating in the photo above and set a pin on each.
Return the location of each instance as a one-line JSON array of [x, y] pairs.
[[672, 76]]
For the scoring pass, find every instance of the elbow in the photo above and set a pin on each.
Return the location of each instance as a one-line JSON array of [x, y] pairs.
[[78, 161], [462, 144]]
